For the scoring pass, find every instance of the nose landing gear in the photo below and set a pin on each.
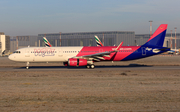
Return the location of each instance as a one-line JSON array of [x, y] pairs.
[[27, 65]]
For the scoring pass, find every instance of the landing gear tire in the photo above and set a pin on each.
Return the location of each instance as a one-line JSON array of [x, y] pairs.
[[92, 66], [88, 66]]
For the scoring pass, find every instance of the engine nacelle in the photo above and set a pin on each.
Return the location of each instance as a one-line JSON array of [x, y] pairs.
[[77, 62]]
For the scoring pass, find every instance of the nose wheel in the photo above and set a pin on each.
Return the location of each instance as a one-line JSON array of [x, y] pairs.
[[27, 65], [90, 66]]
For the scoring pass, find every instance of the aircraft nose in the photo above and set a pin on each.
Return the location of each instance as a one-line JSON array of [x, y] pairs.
[[11, 57]]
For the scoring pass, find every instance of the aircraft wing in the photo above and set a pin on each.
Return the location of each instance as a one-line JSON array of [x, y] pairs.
[[99, 56]]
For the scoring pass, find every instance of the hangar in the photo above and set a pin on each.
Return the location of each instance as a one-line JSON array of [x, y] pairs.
[[4, 44], [109, 38]]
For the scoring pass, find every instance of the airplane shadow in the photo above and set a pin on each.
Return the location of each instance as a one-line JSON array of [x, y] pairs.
[[84, 67]]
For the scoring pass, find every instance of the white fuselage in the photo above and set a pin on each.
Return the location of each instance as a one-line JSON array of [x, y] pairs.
[[44, 54]]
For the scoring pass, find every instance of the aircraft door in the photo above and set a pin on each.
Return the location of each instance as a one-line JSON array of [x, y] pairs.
[[143, 51], [27, 53], [60, 52]]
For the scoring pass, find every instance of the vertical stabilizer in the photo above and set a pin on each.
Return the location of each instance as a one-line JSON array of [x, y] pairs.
[[98, 42], [46, 42], [157, 39]]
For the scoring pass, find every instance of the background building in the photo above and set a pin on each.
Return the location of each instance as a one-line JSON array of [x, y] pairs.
[[22, 41], [4, 44], [109, 38], [168, 40], [140, 39]]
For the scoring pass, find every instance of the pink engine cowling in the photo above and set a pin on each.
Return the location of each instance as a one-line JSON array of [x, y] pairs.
[[77, 62]]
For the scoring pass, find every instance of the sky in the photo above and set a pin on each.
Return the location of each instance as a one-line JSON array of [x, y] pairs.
[[33, 17]]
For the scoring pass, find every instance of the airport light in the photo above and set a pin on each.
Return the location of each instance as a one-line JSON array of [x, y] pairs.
[[17, 42], [43, 39], [171, 39], [60, 39], [151, 27], [103, 39], [39, 42], [175, 38]]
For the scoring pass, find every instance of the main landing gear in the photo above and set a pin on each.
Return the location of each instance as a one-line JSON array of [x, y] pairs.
[[90, 66]]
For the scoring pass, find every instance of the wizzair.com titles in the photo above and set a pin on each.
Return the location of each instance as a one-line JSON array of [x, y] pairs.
[[44, 52], [123, 49]]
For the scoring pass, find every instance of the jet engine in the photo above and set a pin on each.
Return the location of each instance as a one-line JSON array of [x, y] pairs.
[[77, 62]]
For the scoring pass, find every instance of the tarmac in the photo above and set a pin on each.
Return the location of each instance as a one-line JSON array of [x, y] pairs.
[[149, 84]]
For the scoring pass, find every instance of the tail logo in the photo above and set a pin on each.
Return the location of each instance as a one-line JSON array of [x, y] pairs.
[[47, 42], [98, 42]]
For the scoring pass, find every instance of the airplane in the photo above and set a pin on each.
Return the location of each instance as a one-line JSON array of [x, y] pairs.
[[47, 44], [98, 41], [173, 51], [88, 55]]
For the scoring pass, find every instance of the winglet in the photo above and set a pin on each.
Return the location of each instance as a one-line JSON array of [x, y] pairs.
[[119, 46]]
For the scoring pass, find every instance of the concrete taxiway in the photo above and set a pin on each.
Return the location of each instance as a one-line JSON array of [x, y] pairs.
[[113, 68]]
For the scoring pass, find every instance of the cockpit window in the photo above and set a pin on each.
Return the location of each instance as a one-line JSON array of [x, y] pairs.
[[16, 52]]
